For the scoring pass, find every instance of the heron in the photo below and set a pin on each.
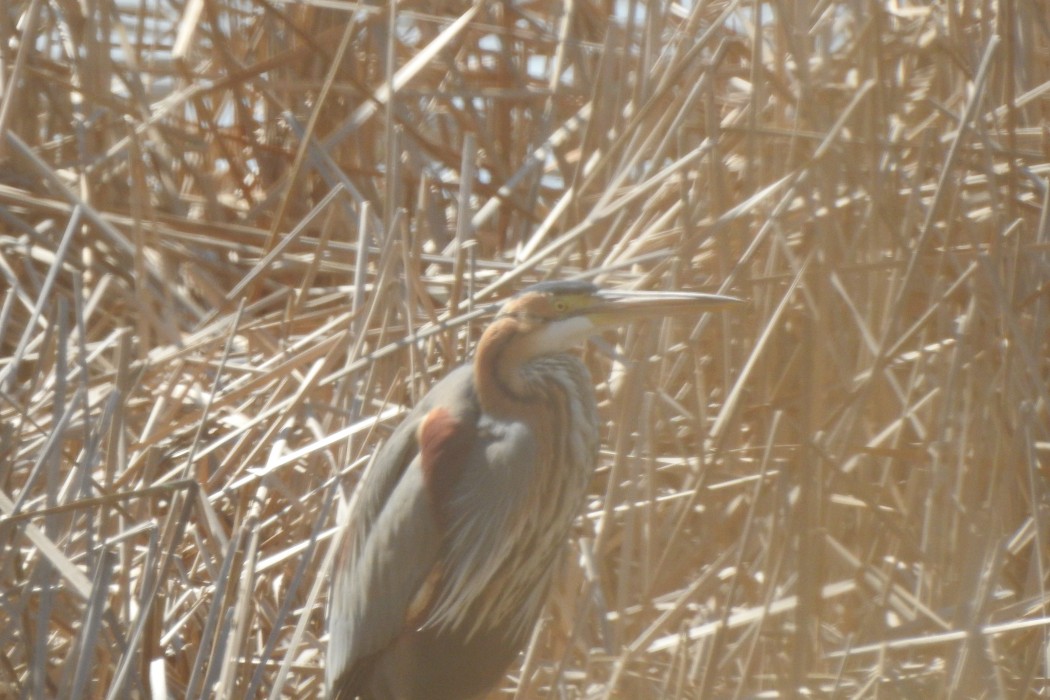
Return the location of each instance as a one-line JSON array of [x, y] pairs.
[[459, 521]]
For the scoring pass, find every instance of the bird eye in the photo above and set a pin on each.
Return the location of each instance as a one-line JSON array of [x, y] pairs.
[[560, 305]]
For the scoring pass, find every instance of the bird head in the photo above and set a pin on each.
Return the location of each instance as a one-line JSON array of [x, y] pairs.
[[553, 317]]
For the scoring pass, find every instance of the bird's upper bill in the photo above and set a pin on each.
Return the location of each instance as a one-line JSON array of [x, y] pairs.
[[613, 308]]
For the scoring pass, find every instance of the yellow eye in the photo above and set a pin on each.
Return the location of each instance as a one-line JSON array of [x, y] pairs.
[[560, 305]]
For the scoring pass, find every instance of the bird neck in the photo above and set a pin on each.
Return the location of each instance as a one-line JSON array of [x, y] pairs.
[[502, 385]]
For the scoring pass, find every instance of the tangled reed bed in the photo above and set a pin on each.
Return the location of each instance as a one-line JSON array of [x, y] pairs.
[[238, 239]]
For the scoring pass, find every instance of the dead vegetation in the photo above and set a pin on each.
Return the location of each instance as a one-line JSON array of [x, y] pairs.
[[238, 238]]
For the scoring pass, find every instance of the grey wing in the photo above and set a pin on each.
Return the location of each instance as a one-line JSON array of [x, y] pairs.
[[372, 594], [490, 515], [395, 537], [457, 388]]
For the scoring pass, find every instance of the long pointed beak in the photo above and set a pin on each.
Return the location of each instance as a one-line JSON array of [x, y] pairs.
[[613, 308]]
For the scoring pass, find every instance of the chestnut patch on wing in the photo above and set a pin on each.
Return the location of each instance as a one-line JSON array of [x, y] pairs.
[[444, 442]]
